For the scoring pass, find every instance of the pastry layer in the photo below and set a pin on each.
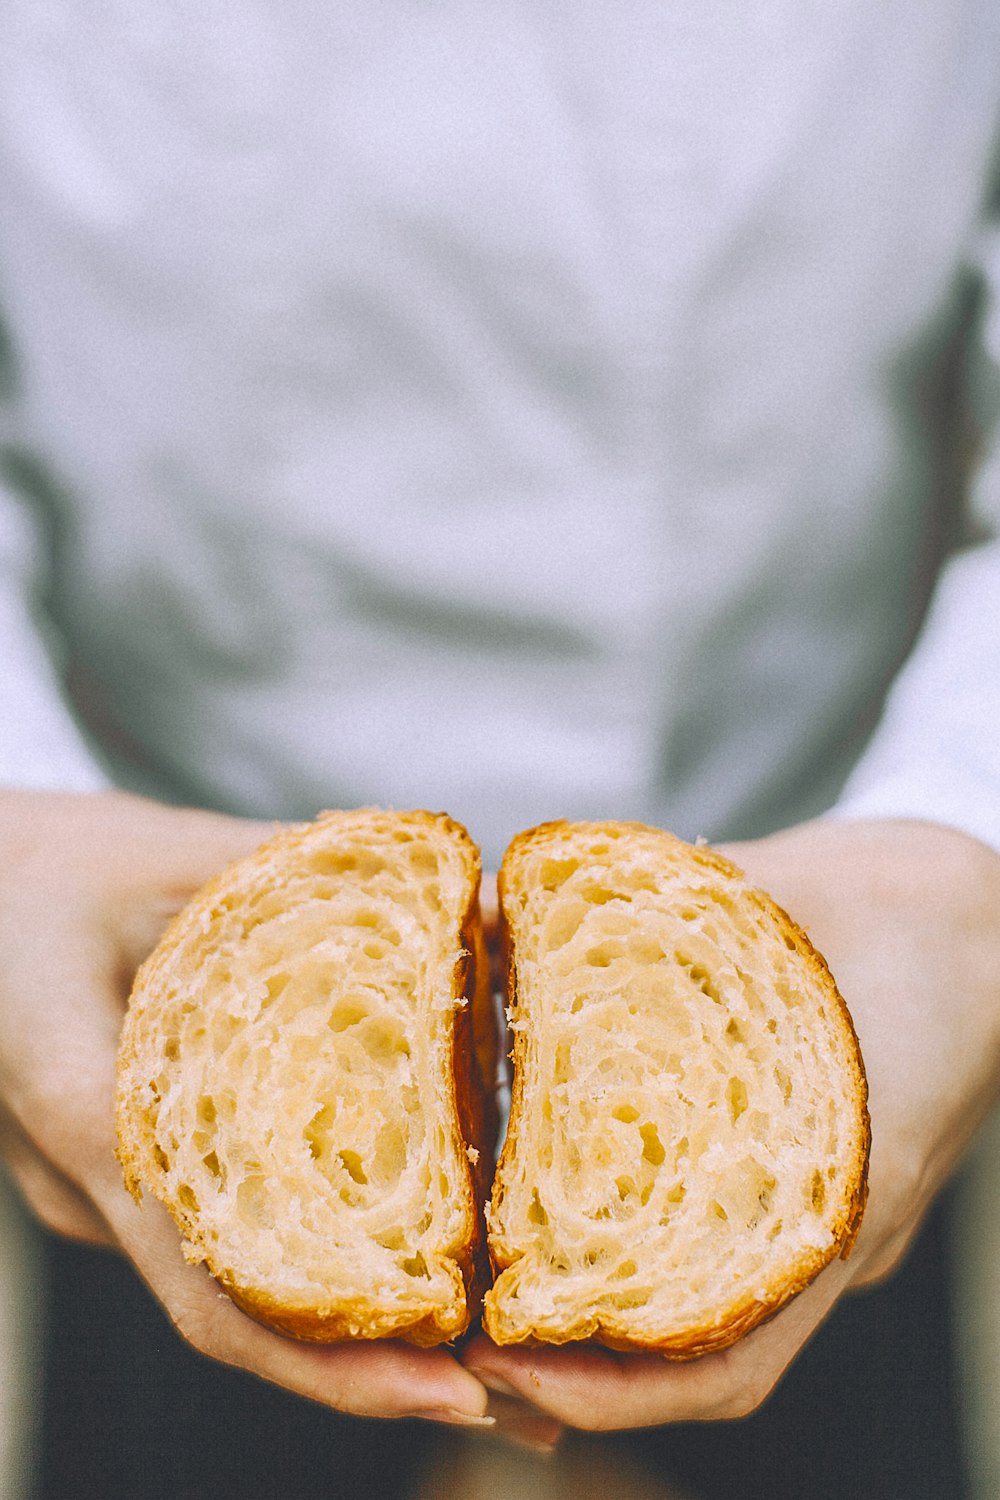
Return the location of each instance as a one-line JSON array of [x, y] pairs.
[[688, 1136], [300, 1081]]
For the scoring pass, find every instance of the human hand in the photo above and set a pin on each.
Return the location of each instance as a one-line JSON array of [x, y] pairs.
[[908, 917], [87, 884]]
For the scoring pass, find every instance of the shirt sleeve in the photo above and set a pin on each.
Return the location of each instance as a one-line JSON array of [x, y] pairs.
[[41, 745], [935, 754]]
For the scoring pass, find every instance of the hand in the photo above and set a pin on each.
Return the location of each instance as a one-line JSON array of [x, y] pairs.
[[86, 885], [908, 917]]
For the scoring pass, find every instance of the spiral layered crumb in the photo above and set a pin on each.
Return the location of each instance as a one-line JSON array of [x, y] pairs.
[[303, 1078], [689, 1135]]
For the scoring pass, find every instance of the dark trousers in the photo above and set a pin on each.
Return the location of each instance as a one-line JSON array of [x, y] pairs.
[[869, 1412]]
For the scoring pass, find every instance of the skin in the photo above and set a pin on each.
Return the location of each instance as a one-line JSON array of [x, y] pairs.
[[905, 913]]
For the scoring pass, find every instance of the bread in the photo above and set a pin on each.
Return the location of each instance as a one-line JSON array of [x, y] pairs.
[[305, 1079], [688, 1137]]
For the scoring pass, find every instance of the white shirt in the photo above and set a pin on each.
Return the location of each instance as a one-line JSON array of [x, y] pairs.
[[523, 411]]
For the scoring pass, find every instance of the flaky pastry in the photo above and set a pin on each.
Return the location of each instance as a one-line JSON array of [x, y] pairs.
[[305, 1078], [688, 1137]]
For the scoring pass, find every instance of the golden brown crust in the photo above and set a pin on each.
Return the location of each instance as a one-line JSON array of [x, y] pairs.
[[749, 1308], [466, 1095], [344, 1322]]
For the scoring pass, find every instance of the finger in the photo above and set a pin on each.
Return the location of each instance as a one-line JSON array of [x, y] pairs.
[[191, 847], [880, 1262], [55, 1202], [597, 1389], [380, 1378]]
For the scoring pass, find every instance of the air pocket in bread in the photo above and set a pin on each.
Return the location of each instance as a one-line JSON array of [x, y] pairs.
[[688, 1135], [305, 1078]]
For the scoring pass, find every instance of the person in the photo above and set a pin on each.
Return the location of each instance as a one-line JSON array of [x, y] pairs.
[[556, 414]]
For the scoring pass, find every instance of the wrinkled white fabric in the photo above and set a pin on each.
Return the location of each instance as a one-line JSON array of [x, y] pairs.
[[528, 411]]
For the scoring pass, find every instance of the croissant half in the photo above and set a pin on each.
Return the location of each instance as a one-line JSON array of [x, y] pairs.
[[305, 1079], [688, 1137]]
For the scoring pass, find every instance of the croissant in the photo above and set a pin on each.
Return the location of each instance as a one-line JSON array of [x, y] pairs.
[[688, 1137], [305, 1078]]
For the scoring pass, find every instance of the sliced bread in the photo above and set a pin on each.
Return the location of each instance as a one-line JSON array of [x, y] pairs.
[[689, 1135], [305, 1078]]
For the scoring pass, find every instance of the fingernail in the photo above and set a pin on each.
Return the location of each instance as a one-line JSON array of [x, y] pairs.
[[454, 1418]]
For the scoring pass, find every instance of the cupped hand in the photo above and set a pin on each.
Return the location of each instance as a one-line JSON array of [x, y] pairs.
[[87, 884], [907, 915]]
